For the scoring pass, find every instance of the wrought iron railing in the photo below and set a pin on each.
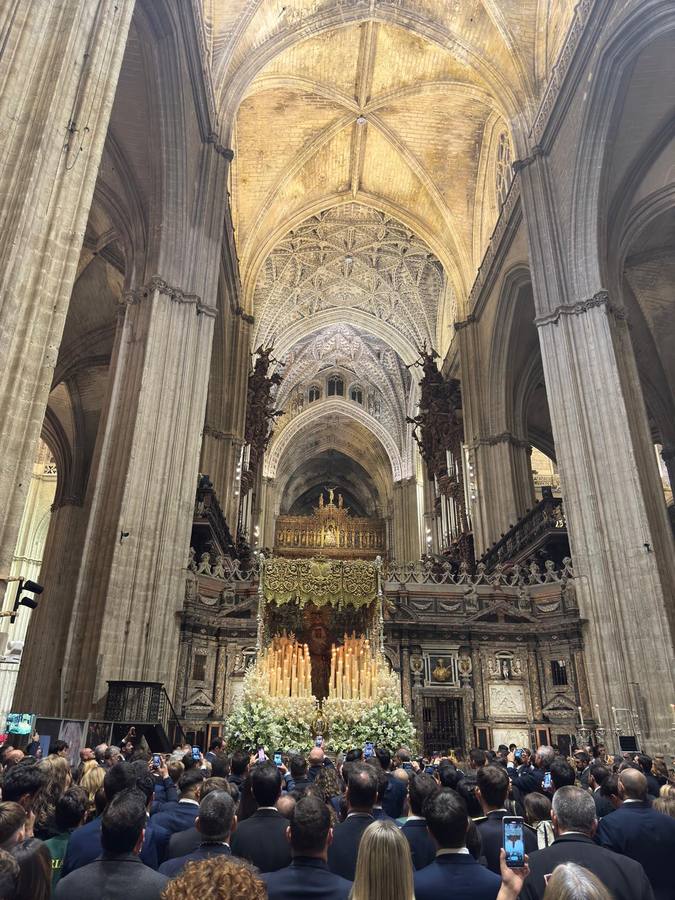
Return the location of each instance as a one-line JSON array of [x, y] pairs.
[[545, 518]]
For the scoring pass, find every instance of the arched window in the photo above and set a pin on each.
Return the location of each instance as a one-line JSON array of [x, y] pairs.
[[356, 394], [504, 169], [336, 386], [314, 393]]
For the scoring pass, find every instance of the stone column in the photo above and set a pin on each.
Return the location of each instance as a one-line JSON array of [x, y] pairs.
[[131, 584], [505, 487], [406, 689], [219, 680], [405, 522], [58, 69], [478, 690], [619, 535]]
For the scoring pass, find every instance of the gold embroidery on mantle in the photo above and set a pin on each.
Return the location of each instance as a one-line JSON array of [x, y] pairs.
[[330, 531]]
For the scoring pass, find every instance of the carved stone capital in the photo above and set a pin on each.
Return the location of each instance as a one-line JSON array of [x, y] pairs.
[[157, 285], [226, 152], [601, 299]]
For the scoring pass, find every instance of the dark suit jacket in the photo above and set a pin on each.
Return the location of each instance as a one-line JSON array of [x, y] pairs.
[[262, 840], [343, 851], [182, 843], [457, 876], [603, 805], [422, 845], [638, 831], [306, 879], [84, 846], [623, 877], [173, 867], [490, 830], [528, 782], [394, 796], [113, 877]]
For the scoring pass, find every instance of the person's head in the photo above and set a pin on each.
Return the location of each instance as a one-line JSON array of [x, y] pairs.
[[361, 787], [123, 822], [220, 764], [544, 757], [610, 789], [317, 757], [190, 784], [92, 780], [537, 807], [382, 781], [447, 819], [492, 786], [328, 783], [265, 783], [581, 760], [572, 882], [86, 754], [219, 876], [13, 818], [175, 768], [354, 755], [216, 784], [665, 805], [70, 809], [573, 809], [510, 748], [21, 784], [58, 748], [402, 755], [632, 785], [562, 773], [598, 773], [644, 762], [239, 763], [285, 805], [111, 755], [298, 766], [99, 753], [477, 758], [216, 820], [12, 757], [384, 868], [525, 756], [9, 875], [35, 870], [383, 756], [449, 775], [466, 788], [421, 788], [218, 743], [118, 778], [310, 832]]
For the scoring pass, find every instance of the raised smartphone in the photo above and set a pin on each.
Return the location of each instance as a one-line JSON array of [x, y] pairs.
[[196, 754], [513, 841]]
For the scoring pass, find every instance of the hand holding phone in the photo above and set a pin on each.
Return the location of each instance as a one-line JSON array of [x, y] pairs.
[[546, 783], [278, 760], [261, 755], [513, 841], [156, 761]]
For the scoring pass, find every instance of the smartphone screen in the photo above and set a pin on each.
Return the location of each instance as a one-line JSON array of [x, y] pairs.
[[157, 760], [196, 753], [277, 759], [368, 751], [513, 842], [319, 741], [547, 780], [261, 755]]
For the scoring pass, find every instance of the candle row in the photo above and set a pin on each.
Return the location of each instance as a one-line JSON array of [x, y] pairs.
[[353, 670], [286, 666]]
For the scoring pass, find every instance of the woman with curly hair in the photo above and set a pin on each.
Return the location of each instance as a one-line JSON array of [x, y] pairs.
[[55, 771], [218, 878]]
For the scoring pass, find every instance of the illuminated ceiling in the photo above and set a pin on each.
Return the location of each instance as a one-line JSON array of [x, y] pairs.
[[364, 185]]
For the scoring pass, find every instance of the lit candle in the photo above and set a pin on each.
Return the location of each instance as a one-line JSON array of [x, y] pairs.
[[597, 711], [581, 718]]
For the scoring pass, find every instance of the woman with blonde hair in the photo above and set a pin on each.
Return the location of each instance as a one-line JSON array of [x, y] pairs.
[[572, 882], [384, 869], [57, 778], [219, 877], [92, 779]]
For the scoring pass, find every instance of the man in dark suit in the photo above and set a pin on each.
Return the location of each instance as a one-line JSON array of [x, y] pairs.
[[84, 845], [645, 763], [297, 779], [597, 776], [262, 837], [532, 780], [183, 842], [415, 830], [394, 796], [119, 872], [174, 817], [238, 768], [574, 825], [382, 784], [638, 831], [492, 789], [454, 873], [215, 823], [361, 795], [308, 876]]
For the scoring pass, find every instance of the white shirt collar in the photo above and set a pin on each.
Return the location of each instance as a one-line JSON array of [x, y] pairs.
[[632, 800], [187, 800], [455, 850]]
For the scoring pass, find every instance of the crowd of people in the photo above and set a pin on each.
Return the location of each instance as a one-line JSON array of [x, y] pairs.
[[369, 825]]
